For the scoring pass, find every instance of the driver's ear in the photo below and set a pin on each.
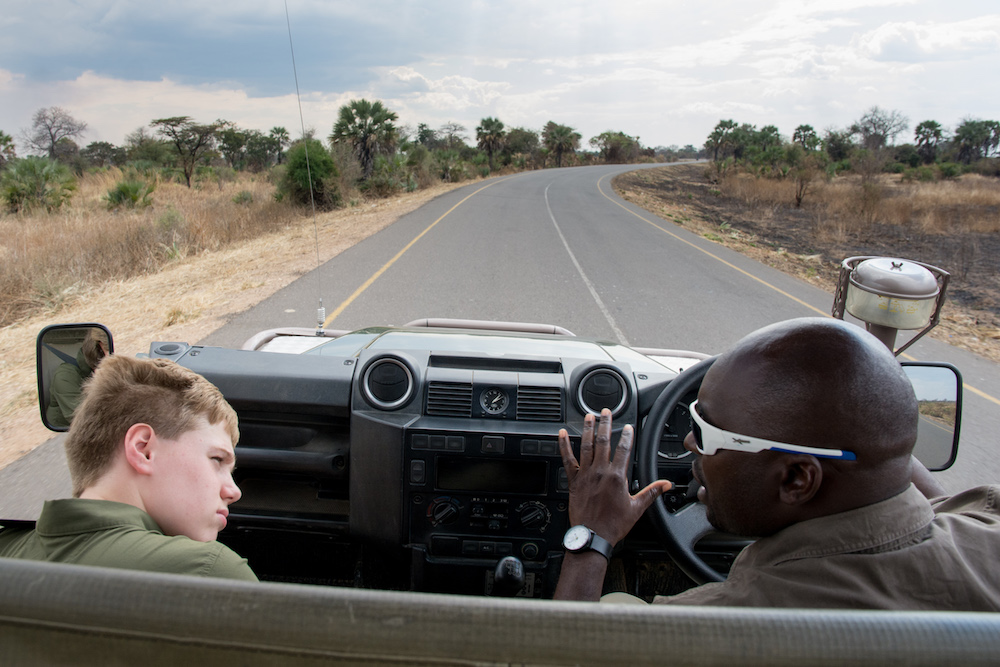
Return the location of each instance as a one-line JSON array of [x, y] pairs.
[[801, 477]]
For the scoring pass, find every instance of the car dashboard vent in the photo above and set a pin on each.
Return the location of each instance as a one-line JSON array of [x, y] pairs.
[[449, 399], [542, 404]]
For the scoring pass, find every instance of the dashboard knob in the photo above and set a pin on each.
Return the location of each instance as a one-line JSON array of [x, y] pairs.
[[534, 515], [443, 511]]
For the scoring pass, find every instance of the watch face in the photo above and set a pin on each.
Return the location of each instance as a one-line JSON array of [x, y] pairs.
[[576, 538]]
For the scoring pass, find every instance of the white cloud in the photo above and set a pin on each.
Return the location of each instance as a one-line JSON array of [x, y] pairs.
[[113, 108], [916, 42]]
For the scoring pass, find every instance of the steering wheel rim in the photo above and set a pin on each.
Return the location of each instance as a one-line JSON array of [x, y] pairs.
[[680, 530]]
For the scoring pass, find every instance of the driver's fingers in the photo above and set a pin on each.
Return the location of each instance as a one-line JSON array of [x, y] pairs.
[[566, 450], [602, 443], [624, 449], [587, 442], [645, 497]]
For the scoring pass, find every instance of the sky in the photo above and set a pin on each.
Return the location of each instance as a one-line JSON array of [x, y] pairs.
[[665, 71]]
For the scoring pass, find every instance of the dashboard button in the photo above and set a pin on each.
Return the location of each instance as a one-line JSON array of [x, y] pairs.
[[548, 447], [456, 443], [445, 546], [529, 446], [419, 442], [562, 481], [418, 472], [438, 442], [493, 444]]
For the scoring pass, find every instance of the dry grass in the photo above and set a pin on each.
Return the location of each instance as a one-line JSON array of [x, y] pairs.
[[48, 259], [189, 298], [951, 224], [843, 206]]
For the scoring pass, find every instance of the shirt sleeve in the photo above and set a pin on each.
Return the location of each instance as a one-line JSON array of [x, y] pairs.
[[229, 565]]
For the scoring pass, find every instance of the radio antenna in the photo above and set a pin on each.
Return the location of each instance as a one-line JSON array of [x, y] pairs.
[[321, 311]]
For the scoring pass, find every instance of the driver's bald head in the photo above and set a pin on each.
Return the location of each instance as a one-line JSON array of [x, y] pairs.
[[816, 382]]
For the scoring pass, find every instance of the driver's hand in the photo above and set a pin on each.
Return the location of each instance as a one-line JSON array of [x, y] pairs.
[[598, 485]]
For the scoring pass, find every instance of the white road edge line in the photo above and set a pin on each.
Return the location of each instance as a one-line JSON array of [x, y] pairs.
[[586, 281]]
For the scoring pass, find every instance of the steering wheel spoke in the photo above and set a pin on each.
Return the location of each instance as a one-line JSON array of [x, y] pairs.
[[690, 523], [682, 529]]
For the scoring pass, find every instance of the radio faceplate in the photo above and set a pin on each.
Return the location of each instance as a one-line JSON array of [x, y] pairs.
[[483, 495]]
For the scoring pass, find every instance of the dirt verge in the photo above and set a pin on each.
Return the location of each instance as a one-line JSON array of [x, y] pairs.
[[186, 301]]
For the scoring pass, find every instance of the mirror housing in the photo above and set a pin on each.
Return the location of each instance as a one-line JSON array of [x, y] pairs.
[[65, 355], [938, 387]]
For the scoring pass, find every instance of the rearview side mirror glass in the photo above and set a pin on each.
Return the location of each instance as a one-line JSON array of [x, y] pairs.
[[938, 388], [65, 356]]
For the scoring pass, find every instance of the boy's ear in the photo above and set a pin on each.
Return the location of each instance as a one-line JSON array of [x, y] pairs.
[[139, 445]]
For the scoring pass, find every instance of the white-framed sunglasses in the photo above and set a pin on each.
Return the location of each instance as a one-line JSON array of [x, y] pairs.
[[710, 439]]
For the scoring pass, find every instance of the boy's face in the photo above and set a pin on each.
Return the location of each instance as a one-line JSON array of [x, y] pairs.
[[192, 485]]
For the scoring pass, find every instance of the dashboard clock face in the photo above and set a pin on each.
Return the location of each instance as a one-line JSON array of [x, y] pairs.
[[494, 400]]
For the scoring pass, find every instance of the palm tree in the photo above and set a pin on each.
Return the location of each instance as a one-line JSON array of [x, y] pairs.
[[560, 139], [368, 127], [33, 182], [279, 135], [7, 153], [490, 135], [928, 135]]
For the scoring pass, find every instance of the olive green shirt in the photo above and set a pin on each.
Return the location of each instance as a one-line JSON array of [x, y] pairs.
[[66, 390], [904, 553], [109, 534]]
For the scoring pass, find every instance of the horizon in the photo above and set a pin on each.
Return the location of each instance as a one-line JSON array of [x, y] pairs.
[[663, 72]]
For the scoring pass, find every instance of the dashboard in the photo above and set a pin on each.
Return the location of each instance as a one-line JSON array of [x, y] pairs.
[[418, 458]]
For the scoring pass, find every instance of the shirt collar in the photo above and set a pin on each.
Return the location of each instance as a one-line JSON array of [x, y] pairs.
[[875, 527], [73, 516]]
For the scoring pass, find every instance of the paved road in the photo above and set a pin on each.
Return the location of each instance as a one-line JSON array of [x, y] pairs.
[[557, 246]]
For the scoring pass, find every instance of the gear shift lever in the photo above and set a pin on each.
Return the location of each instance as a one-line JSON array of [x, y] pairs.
[[508, 577]]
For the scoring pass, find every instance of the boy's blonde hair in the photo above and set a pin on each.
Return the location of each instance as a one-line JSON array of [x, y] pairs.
[[125, 391]]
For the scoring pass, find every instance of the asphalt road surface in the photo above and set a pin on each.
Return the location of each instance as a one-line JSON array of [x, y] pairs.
[[557, 246]]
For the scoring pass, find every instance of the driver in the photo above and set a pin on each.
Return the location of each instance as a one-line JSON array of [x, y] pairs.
[[151, 455], [842, 512]]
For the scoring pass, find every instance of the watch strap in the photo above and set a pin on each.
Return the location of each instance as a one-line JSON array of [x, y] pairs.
[[600, 545], [594, 542]]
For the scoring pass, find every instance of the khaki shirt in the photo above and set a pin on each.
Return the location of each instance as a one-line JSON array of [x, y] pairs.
[[109, 534], [902, 553]]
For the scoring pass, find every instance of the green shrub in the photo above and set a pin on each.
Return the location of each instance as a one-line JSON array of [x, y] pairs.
[[321, 173], [389, 176], [244, 197], [170, 221], [950, 170], [130, 193], [34, 182]]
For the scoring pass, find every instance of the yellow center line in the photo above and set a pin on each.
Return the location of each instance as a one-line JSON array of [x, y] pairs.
[[975, 391], [368, 283]]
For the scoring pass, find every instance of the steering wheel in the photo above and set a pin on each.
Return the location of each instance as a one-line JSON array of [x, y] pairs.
[[682, 529]]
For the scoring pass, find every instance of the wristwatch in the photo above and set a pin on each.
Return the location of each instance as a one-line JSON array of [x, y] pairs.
[[580, 538]]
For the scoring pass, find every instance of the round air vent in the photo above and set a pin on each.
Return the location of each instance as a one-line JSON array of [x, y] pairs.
[[387, 383], [603, 388]]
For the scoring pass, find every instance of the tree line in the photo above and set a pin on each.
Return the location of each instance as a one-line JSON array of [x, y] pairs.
[[367, 149], [867, 145]]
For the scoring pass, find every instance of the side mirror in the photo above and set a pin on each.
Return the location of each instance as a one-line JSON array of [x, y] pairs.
[[65, 356], [938, 387]]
